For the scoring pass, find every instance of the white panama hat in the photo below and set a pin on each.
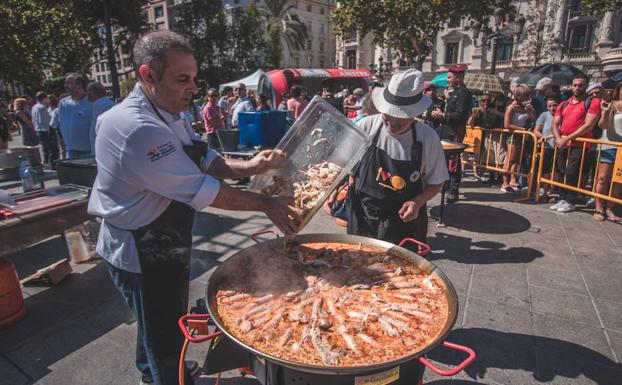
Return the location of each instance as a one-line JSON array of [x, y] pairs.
[[403, 97]]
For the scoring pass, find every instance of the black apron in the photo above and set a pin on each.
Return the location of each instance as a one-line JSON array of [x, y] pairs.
[[164, 248], [381, 186]]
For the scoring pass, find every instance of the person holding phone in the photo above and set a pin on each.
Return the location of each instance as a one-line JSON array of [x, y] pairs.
[[611, 124], [518, 116]]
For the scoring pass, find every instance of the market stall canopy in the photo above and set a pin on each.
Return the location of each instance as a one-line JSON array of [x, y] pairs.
[[560, 74], [251, 82], [440, 80]]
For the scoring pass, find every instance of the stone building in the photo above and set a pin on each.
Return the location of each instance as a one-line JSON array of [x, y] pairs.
[[555, 31], [319, 51]]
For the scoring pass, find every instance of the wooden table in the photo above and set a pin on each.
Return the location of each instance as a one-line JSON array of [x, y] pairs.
[[18, 233]]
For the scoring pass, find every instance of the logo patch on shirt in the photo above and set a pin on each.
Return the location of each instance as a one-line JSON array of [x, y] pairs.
[[160, 151], [390, 181]]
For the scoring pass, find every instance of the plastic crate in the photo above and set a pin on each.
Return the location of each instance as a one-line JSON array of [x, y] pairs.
[[261, 128]]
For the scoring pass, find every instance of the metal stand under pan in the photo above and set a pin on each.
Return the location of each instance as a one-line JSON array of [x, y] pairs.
[[227, 355]]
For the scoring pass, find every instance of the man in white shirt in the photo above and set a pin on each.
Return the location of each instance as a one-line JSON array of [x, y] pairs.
[[148, 185], [41, 121], [242, 104]]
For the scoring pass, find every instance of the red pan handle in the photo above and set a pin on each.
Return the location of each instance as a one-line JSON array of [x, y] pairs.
[[423, 248], [254, 236], [457, 369], [182, 322]]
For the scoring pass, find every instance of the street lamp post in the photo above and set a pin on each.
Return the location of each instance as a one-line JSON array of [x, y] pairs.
[[492, 37]]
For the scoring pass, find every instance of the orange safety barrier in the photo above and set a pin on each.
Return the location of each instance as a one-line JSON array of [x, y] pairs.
[[587, 146], [490, 149]]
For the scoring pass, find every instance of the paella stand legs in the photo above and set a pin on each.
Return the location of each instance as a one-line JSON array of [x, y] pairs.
[[441, 216]]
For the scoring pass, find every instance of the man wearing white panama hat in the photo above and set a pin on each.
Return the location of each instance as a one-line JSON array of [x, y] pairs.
[[403, 168]]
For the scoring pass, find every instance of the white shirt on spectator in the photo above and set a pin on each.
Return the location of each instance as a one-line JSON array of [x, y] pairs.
[[141, 168], [241, 105], [40, 117], [398, 147]]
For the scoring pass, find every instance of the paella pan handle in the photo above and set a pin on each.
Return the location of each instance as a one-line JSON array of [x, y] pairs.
[[183, 325], [457, 369], [423, 248], [254, 236]]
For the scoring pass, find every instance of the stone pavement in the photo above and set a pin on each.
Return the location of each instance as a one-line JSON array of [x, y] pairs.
[[540, 299]]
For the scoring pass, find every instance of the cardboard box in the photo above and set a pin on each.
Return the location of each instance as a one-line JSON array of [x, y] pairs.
[[50, 275]]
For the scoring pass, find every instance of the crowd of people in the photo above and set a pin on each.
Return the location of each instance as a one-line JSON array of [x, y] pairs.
[[63, 125]]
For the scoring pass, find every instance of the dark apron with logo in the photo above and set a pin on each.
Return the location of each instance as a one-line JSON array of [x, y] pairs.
[[164, 248], [381, 186]]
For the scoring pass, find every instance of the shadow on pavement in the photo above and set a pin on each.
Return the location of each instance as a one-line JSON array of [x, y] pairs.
[[482, 218], [464, 250], [546, 358], [476, 196]]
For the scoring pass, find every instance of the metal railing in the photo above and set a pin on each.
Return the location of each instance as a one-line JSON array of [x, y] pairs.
[[496, 143], [584, 181]]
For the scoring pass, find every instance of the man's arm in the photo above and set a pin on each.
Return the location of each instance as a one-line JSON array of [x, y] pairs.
[[275, 208], [457, 117], [222, 168], [410, 209], [590, 122]]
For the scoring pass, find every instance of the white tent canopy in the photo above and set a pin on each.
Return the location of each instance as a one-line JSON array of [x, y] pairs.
[[251, 82]]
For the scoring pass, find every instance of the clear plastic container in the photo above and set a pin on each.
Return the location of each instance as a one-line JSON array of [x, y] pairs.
[[320, 134]]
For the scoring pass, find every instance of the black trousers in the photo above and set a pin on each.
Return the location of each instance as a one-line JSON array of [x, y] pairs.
[[569, 166], [46, 144]]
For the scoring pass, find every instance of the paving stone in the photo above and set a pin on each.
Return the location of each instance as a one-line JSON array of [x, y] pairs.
[[487, 315], [564, 367], [10, 375], [459, 278], [501, 283], [559, 279], [604, 282], [559, 334], [611, 313], [616, 342], [564, 305]]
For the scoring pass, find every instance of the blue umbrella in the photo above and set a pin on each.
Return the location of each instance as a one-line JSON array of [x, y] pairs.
[[440, 80]]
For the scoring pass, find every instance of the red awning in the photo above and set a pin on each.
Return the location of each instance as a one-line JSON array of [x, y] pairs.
[[331, 72]]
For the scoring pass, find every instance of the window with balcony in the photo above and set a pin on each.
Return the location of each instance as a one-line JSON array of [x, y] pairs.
[[322, 63], [322, 11], [97, 67], [309, 8], [309, 25], [505, 48], [451, 52], [580, 38], [322, 28], [321, 46], [159, 12], [309, 44]]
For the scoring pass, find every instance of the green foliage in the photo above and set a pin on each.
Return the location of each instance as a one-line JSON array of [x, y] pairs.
[[126, 86], [599, 7], [279, 21], [407, 26], [40, 38]]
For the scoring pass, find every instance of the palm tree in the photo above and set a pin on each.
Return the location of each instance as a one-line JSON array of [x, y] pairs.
[[281, 24]]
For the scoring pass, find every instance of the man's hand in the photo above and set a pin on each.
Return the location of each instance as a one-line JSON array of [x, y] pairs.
[[562, 141], [409, 211], [437, 114], [265, 160], [282, 214]]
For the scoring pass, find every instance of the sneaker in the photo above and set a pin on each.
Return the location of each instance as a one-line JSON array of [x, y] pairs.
[[591, 202], [565, 208], [557, 205]]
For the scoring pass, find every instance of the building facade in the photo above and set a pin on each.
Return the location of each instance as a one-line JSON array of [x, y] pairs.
[[319, 49], [557, 31]]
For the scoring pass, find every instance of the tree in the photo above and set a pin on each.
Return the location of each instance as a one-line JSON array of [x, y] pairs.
[[40, 39], [100, 17], [410, 27], [281, 24], [204, 24], [599, 7], [247, 40]]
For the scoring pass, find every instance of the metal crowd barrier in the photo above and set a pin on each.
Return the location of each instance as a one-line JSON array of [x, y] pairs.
[[584, 180], [485, 144]]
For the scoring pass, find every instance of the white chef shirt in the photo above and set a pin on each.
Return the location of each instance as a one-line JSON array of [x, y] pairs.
[[141, 168], [398, 147]]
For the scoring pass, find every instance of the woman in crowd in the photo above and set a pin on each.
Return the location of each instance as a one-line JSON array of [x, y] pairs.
[[213, 118], [253, 98], [486, 117], [262, 103], [611, 124], [543, 131], [519, 115], [29, 136]]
